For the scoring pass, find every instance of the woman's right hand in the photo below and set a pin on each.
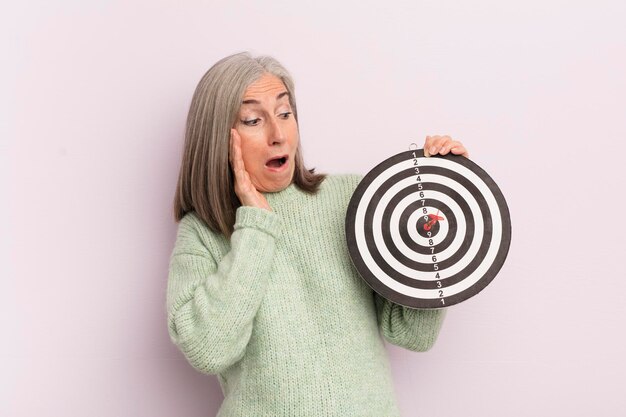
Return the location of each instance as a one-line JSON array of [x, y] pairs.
[[247, 193]]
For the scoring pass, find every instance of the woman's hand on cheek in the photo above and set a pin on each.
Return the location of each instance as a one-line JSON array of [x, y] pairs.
[[442, 145], [245, 190]]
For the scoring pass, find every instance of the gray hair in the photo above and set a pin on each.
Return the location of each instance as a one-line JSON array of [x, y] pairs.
[[206, 182]]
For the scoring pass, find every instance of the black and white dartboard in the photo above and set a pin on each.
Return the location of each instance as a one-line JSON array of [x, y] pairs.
[[428, 232]]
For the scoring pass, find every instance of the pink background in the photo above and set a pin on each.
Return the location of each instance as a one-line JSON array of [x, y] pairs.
[[93, 101]]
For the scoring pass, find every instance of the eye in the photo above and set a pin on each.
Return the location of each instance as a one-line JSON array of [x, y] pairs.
[[251, 122], [285, 115]]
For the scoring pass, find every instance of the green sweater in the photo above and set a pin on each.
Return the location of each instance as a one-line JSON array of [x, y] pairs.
[[280, 314]]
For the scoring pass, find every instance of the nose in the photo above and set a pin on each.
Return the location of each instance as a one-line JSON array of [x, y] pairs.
[[276, 135]]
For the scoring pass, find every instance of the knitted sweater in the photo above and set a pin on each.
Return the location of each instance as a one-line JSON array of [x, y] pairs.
[[280, 314]]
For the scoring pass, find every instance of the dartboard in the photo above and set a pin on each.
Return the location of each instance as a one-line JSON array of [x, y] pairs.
[[427, 232]]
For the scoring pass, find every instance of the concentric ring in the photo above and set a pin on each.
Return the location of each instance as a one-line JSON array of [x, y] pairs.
[[414, 268]]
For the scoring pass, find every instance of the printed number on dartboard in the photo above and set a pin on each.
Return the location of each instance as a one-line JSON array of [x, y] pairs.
[[420, 188]]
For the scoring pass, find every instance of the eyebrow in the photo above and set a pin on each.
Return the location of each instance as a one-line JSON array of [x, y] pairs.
[[253, 101]]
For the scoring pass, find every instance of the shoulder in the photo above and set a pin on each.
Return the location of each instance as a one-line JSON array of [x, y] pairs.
[[337, 190], [195, 237], [345, 183]]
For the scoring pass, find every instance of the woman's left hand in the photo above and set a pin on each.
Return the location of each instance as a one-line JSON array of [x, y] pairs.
[[442, 145]]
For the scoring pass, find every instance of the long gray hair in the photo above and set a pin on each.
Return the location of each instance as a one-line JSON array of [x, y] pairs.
[[206, 182]]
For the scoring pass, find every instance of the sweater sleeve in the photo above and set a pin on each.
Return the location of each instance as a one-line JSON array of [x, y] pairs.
[[211, 305], [410, 328]]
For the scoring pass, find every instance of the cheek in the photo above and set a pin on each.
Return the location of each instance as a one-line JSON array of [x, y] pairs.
[[293, 134], [251, 156]]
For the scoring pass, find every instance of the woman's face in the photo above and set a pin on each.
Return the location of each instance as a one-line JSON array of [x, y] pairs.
[[269, 134]]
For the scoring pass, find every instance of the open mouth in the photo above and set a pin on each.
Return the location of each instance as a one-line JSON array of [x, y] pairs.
[[277, 162]]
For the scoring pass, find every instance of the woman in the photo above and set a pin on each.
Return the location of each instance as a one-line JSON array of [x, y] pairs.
[[261, 289]]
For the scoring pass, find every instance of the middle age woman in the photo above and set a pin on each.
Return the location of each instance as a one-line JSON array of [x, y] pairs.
[[261, 289]]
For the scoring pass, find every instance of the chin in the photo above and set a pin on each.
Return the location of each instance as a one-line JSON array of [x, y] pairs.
[[279, 187], [271, 180], [275, 187]]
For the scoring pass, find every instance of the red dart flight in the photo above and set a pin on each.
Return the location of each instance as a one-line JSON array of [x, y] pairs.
[[434, 218]]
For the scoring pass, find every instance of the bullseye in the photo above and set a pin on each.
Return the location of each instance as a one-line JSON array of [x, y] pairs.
[[427, 232], [428, 225]]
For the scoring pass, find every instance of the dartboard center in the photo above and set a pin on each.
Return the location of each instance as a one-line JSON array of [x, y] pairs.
[[427, 227]]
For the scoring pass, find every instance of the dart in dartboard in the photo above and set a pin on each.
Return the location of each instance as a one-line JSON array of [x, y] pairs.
[[428, 232]]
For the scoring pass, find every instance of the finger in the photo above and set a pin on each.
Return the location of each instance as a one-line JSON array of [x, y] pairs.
[[233, 132], [433, 145], [443, 144], [236, 158], [244, 188], [236, 150], [427, 143], [460, 150], [446, 145]]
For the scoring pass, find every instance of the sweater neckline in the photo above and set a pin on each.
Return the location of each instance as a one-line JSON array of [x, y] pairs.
[[286, 194]]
